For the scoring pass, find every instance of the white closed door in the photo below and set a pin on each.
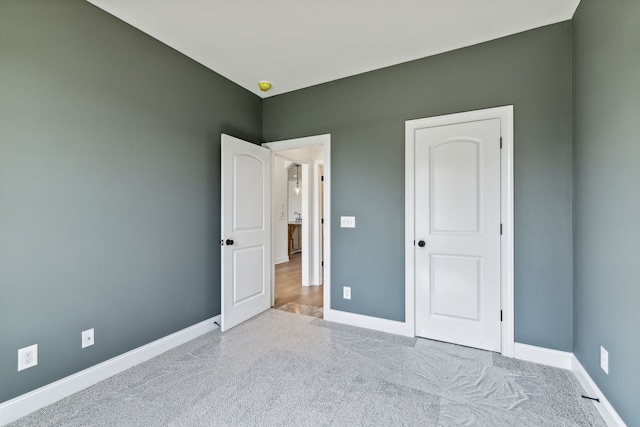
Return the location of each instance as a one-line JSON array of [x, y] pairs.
[[457, 233], [245, 230]]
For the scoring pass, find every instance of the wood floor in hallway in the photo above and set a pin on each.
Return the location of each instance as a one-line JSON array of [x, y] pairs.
[[290, 295]]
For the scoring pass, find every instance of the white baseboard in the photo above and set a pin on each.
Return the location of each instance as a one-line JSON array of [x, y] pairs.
[[368, 322], [23, 405], [543, 356], [605, 409], [281, 260], [566, 360]]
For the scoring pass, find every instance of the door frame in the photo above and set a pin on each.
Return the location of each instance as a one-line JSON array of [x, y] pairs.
[[505, 114], [318, 215], [311, 141]]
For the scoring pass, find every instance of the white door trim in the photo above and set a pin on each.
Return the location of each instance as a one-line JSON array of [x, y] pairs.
[[304, 230], [316, 277], [311, 141], [505, 114]]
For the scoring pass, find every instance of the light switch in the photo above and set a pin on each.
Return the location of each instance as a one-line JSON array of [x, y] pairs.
[[348, 221]]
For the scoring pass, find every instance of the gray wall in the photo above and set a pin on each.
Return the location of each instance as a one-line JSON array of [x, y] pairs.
[[365, 115], [607, 198], [109, 182], [109, 187]]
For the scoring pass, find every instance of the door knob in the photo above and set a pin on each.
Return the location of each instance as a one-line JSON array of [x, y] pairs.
[[421, 243], [229, 242]]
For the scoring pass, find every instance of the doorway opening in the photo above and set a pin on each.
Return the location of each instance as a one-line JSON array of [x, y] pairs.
[[290, 295], [300, 225], [295, 290]]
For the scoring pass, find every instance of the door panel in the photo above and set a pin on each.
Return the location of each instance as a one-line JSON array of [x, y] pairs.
[[457, 216], [247, 282], [455, 182], [245, 231], [248, 193], [455, 286]]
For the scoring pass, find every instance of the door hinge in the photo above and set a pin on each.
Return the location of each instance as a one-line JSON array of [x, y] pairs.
[[501, 143], [322, 221], [501, 315], [322, 263], [501, 229], [322, 178]]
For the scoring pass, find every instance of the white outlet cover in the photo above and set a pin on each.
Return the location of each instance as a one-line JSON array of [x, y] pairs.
[[88, 338], [27, 357], [346, 292], [604, 360]]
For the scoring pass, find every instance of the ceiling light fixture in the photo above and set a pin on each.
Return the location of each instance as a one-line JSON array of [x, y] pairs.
[[297, 188], [264, 86]]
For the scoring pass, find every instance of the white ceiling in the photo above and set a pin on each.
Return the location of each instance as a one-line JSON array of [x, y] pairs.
[[301, 43]]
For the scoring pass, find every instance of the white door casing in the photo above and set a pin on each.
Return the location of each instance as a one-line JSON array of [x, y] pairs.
[[457, 226], [319, 217], [246, 265], [460, 238]]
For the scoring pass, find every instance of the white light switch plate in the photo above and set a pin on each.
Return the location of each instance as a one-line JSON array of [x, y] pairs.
[[348, 221]]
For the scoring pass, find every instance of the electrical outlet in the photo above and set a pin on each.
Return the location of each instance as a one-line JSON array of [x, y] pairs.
[[87, 338], [348, 222], [27, 357], [604, 360], [346, 292]]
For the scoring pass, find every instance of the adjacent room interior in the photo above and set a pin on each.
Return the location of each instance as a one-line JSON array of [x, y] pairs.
[[110, 183], [298, 286]]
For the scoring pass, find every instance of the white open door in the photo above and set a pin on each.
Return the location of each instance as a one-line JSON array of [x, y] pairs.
[[245, 230]]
